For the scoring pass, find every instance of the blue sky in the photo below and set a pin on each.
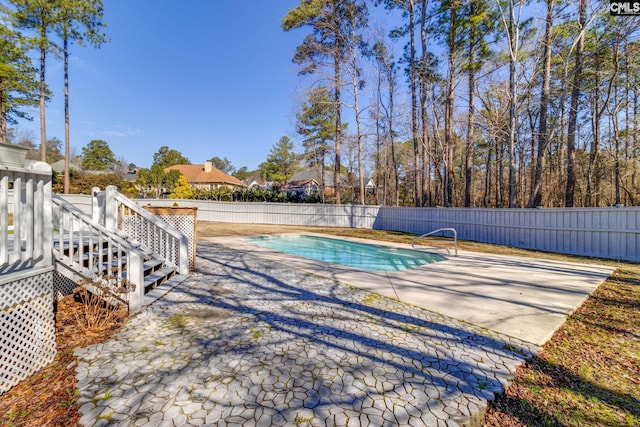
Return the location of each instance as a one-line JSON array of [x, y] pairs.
[[205, 77]]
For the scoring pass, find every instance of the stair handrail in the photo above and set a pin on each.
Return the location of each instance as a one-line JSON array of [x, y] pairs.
[[149, 231], [455, 237], [70, 223]]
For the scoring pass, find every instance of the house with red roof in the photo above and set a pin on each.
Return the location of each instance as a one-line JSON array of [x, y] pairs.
[[207, 176]]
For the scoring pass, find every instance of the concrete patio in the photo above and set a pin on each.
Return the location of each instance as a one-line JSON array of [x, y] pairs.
[[526, 298], [250, 340]]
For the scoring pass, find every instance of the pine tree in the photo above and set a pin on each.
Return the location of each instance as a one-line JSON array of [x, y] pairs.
[[80, 21], [97, 156], [331, 22], [41, 17], [18, 81]]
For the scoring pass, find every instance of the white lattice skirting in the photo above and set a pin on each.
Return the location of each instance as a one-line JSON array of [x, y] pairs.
[[187, 225], [182, 219], [62, 286], [27, 329]]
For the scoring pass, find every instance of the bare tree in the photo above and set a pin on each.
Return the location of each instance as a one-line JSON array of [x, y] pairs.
[[573, 109]]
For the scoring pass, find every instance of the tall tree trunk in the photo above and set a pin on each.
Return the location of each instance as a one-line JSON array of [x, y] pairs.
[[380, 169], [632, 123], [636, 149], [487, 179], [468, 158], [379, 178], [513, 91], [65, 42], [627, 100], [449, 106], [599, 108], [3, 113], [338, 137], [595, 143], [426, 146], [616, 124], [536, 185], [359, 131], [616, 154], [439, 169], [323, 184], [353, 45], [394, 160], [414, 112], [43, 56], [499, 203], [573, 112]]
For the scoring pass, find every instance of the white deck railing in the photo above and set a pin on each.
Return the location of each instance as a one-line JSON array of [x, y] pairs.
[[25, 217], [97, 253], [145, 229]]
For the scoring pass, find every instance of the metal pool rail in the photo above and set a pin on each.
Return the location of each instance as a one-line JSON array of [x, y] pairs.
[[455, 237]]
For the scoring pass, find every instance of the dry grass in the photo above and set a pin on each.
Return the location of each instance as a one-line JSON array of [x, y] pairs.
[[589, 372]]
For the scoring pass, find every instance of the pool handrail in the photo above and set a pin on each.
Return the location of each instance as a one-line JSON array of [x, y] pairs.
[[455, 237]]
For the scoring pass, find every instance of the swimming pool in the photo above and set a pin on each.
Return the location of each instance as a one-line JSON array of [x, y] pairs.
[[351, 254]]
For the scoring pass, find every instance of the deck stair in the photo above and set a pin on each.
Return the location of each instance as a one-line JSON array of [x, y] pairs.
[[105, 261], [88, 250]]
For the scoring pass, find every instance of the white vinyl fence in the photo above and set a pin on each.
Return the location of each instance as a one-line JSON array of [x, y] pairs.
[[612, 233]]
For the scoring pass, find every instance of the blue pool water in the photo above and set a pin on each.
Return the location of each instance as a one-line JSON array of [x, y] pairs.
[[351, 254]]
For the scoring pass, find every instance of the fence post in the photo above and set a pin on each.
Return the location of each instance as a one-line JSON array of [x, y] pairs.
[[46, 225], [95, 205], [184, 260], [135, 275], [110, 207]]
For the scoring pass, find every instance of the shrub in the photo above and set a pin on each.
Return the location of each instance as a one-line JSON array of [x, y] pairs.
[[103, 301]]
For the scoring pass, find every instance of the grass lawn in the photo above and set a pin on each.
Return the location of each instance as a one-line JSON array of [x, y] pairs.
[[588, 374]]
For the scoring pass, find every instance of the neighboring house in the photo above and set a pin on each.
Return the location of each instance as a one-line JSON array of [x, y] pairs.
[[260, 185], [369, 185], [207, 177], [131, 176], [58, 167], [305, 183]]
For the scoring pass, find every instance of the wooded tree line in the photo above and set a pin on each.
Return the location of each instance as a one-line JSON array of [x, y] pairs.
[[461, 103], [489, 103]]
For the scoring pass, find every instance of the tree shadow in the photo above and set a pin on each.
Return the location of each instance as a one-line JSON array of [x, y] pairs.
[[247, 340], [457, 330]]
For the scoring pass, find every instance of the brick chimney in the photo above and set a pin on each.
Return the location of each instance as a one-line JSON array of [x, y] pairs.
[[207, 167]]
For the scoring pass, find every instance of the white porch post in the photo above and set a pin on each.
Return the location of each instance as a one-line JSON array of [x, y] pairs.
[[135, 275], [110, 208], [44, 229], [95, 204]]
